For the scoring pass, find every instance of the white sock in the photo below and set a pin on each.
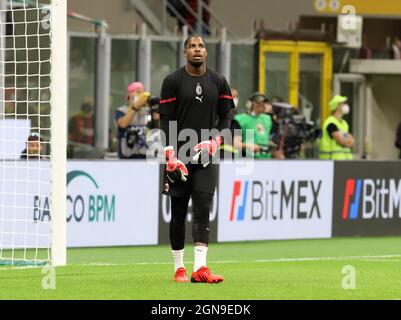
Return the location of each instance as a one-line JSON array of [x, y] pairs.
[[200, 257], [178, 256]]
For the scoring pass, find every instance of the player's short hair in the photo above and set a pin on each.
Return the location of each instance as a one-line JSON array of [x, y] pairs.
[[193, 36]]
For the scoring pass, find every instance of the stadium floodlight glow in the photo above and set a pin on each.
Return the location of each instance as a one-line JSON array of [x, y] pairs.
[[33, 132]]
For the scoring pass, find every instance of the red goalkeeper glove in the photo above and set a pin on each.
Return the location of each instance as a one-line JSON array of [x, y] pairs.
[[206, 150], [175, 169]]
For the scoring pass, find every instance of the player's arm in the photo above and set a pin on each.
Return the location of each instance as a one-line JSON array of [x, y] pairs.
[[167, 108], [175, 169], [238, 142], [225, 105]]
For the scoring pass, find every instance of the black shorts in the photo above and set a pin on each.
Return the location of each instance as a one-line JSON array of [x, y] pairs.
[[199, 179]]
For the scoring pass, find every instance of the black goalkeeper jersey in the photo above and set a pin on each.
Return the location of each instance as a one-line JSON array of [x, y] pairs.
[[196, 102]]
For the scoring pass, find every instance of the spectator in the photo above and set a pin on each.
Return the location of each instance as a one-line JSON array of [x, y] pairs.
[[256, 145], [337, 141], [234, 93], [398, 138], [80, 126], [34, 147], [179, 8], [397, 48], [191, 19], [132, 120]]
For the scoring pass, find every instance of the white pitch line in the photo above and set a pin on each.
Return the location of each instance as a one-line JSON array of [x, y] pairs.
[[380, 260], [365, 258], [368, 258], [329, 258]]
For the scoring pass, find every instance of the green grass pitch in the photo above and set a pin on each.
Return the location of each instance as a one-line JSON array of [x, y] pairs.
[[292, 269]]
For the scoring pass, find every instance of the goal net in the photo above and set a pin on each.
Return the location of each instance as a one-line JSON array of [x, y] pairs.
[[32, 132]]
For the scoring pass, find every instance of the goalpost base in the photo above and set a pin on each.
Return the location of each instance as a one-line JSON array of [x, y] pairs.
[[6, 263]]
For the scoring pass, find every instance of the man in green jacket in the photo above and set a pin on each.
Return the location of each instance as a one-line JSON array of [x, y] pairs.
[[337, 141]]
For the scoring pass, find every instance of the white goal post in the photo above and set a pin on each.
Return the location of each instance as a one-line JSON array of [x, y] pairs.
[[59, 132], [33, 115]]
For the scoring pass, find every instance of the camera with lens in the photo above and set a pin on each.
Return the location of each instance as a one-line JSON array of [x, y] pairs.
[[131, 136], [153, 103], [293, 129]]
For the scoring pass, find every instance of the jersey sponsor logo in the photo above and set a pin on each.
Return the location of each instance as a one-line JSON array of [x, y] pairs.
[[371, 199]]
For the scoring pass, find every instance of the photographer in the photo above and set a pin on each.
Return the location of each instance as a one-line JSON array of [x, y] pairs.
[[278, 151], [132, 120], [257, 145]]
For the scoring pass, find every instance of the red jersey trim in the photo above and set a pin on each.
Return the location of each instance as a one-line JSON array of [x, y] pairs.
[[167, 100], [226, 97]]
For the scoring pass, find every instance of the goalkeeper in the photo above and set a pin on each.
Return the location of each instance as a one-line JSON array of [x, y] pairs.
[[194, 98]]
